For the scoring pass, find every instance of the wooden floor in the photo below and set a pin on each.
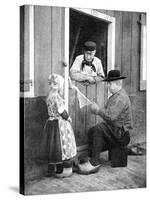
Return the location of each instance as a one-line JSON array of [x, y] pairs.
[[108, 178]]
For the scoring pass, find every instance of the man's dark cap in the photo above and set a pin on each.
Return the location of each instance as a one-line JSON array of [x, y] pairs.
[[114, 75], [89, 46]]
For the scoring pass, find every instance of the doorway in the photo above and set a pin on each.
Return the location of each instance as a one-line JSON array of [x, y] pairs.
[[84, 27]]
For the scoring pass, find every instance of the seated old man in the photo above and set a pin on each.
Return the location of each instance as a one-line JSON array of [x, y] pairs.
[[87, 67], [116, 125]]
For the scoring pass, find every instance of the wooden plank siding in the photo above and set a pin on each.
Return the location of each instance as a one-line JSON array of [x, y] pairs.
[[49, 45], [126, 48], [43, 50], [80, 122], [97, 31], [127, 52], [135, 57], [91, 95], [24, 48], [101, 96], [49, 56], [72, 106], [127, 59], [22, 28], [57, 29], [118, 39]]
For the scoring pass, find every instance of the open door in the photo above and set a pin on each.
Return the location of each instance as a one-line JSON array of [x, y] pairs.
[[84, 25]]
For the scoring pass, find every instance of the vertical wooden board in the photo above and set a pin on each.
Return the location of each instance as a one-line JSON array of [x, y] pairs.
[[105, 51], [22, 29], [91, 95], [58, 15], [126, 48], [42, 33], [101, 42], [135, 60], [24, 48], [72, 106], [101, 94], [80, 119], [118, 39]]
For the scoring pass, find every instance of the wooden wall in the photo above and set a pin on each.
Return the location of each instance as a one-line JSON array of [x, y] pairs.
[[49, 54], [127, 59], [84, 27], [127, 47], [49, 45], [82, 119], [48, 58], [24, 48]]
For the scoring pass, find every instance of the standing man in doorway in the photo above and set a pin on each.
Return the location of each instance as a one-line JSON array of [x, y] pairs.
[[87, 68]]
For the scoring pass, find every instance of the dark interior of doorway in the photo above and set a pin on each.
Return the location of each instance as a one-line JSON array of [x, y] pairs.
[[84, 27]]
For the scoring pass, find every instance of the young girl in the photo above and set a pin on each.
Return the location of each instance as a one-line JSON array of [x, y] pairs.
[[59, 135]]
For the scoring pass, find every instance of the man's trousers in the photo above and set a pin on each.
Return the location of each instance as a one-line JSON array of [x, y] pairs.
[[101, 138]]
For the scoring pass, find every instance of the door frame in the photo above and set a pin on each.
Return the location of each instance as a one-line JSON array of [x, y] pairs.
[[29, 28], [110, 44], [66, 59], [111, 33]]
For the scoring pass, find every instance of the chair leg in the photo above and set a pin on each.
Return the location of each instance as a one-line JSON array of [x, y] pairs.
[[118, 156], [109, 155]]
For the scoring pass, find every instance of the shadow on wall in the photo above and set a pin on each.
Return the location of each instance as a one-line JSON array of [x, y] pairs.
[[35, 116], [139, 118]]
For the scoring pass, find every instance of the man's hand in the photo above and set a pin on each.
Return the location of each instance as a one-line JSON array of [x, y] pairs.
[[91, 80], [86, 83], [69, 119], [99, 78], [94, 108]]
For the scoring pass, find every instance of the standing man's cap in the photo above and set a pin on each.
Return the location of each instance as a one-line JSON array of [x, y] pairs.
[[114, 75], [89, 46]]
